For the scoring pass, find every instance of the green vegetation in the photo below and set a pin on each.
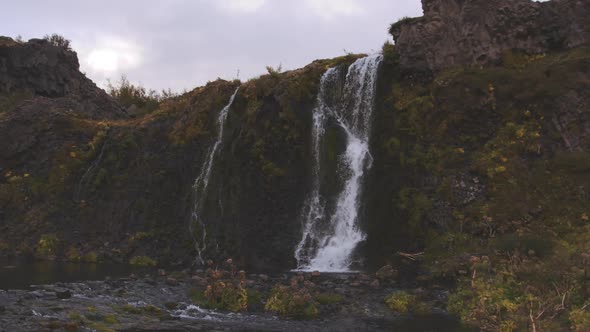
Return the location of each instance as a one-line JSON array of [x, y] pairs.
[[274, 72], [328, 298], [129, 94], [10, 100], [402, 21], [47, 246], [504, 210], [142, 261], [400, 301], [225, 289], [58, 40], [294, 301]]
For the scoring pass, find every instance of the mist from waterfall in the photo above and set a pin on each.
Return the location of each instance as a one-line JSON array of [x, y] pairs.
[[329, 239], [201, 185]]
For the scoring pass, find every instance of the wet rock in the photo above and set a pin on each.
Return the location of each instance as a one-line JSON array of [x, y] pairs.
[[263, 277], [199, 281], [315, 274], [363, 277], [340, 291], [63, 294], [162, 272], [2, 309], [375, 284], [386, 273], [171, 282]]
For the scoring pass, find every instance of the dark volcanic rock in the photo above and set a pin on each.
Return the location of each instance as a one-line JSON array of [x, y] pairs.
[[42, 69], [63, 294], [386, 273], [476, 32]]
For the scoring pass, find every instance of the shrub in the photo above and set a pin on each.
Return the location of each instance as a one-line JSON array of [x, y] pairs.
[[400, 301], [274, 72], [58, 40], [47, 245], [129, 94], [73, 254], [580, 319], [225, 288], [91, 257], [142, 261], [293, 301]]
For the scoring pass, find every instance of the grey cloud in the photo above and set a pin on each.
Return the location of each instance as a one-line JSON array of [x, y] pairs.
[[184, 43]]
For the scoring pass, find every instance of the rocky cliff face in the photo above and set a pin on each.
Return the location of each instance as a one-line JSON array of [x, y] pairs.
[[478, 32], [77, 170], [41, 69], [480, 177]]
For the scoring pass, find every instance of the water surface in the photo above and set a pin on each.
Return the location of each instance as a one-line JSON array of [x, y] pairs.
[[23, 274]]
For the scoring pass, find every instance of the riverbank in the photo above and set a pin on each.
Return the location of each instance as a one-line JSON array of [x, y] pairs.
[[166, 302]]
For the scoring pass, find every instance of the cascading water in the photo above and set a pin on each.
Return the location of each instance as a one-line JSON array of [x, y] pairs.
[[201, 184], [328, 241]]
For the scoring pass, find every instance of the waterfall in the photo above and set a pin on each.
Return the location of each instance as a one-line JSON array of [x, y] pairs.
[[328, 241], [201, 185]]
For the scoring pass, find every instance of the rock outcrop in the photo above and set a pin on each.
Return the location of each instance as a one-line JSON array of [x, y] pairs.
[[41, 69], [478, 32]]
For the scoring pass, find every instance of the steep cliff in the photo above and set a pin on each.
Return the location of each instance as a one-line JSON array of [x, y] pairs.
[[478, 32], [479, 179], [41, 69], [78, 171]]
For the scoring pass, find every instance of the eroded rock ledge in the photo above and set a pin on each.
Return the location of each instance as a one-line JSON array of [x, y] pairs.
[[478, 32]]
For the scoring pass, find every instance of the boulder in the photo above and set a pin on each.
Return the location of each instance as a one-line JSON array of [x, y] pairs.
[[63, 294], [386, 273], [199, 281]]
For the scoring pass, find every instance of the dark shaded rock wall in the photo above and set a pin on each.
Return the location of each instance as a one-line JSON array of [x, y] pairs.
[[76, 170], [477, 32], [42, 69]]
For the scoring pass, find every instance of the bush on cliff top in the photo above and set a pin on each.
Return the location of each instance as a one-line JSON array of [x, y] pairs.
[[58, 40]]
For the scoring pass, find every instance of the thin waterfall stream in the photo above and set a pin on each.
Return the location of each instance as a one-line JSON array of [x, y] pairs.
[[201, 185], [329, 239]]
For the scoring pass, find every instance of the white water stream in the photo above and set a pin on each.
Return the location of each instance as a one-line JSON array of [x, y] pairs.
[[328, 241], [201, 184]]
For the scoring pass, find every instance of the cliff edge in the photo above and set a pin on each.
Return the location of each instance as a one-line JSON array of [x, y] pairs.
[[478, 32]]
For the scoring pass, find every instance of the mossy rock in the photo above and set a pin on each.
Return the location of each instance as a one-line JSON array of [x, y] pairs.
[[144, 261]]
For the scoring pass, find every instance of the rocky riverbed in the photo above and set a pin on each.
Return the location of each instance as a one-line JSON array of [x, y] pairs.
[[166, 302]]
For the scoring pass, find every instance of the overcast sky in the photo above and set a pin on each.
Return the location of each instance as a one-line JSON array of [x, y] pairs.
[[181, 44]]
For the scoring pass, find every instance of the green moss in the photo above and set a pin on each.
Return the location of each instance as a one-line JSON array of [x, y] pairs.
[[76, 316], [197, 295], [91, 257], [400, 301], [47, 245], [254, 296], [9, 101], [329, 298], [580, 319], [142, 261], [130, 309], [110, 319], [73, 255]]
